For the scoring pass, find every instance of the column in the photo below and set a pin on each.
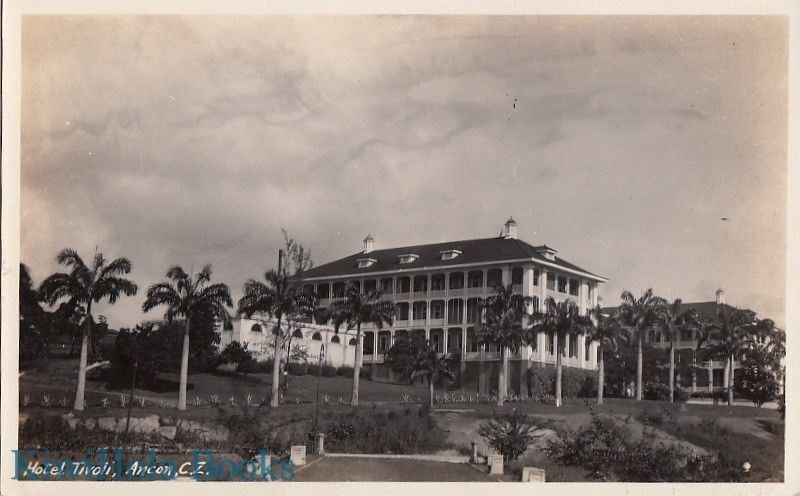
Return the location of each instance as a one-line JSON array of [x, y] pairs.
[[694, 371], [462, 366], [506, 275], [710, 377], [445, 332], [582, 350], [542, 287]]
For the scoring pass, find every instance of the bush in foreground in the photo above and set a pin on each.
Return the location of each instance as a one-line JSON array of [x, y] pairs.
[[406, 431], [510, 435], [610, 451]]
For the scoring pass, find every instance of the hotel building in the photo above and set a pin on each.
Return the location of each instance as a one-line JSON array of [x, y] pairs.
[[438, 289]]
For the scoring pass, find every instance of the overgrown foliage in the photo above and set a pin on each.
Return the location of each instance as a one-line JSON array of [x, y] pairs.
[[406, 431], [610, 451]]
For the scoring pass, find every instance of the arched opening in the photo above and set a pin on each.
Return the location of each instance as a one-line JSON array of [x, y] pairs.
[[317, 336], [255, 328], [335, 339], [352, 341], [297, 334]]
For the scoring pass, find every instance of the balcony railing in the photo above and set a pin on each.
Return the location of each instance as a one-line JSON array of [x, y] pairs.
[[401, 323], [476, 291], [402, 296], [456, 292], [437, 293], [436, 322], [421, 294], [418, 322]]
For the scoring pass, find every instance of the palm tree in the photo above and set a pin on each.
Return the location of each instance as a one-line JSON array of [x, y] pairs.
[[502, 326], [727, 334], [280, 297], [672, 319], [187, 296], [563, 319], [356, 309], [430, 366], [83, 286], [639, 315], [605, 331]]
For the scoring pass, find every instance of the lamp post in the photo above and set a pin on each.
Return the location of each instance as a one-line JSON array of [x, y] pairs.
[[319, 373]]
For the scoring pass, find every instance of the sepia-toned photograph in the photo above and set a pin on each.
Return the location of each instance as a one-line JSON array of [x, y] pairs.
[[400, 248]]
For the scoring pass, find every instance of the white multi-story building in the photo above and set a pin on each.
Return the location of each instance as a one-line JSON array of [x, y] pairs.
[[438, 289]]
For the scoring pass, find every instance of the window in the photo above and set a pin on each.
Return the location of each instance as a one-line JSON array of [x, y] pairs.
[[475, 279], [255, 328], [472, 340], [573, 287], [335, 339], [551, 281], [535, 303], [317, 336], [420, 284], [402, 311], [436, 339], [437, 309], [370, 285], [404, 285], [408, 258], [456, 280], [473, 310], [387, 285], [562, 284], [573, 345], [587, 349], [297, 334], [420, 311], [549, 343], [437, 282], [450, 254], [517, 275], [455, 311], [383, 342], [365, 262], [535, 277]]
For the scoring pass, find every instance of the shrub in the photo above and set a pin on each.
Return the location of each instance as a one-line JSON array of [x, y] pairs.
[[510, 435], [238, 354], [657, 391], [328, 371], [755, 380], [365, 373], [345, 371], [295, 368], [610, 451], [575, 383], [714, 395], [406, 431]]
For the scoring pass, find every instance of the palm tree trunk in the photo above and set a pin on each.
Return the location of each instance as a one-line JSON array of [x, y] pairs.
[[639, 340], [730, 380], [356, 366], [671, 371], [600, 375], [275, 400], [501, 377], [184, 367], [430, 387], [558, 369], [80, 390]]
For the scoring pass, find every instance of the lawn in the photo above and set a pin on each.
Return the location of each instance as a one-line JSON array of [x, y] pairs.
[[739, 433]]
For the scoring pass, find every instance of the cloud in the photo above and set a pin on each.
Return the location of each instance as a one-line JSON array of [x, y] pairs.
[[618, 140]]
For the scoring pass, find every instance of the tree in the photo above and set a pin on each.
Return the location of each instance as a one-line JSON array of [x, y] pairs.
[[355, 310], [756, 379], [403, 355], [83, 286], [33, 320], [188, 296], [427, 364], [501, 326], [639, 315], [727, 335], [281, 298], [138, 349], [672, 319], [606, 331], [562, 319]]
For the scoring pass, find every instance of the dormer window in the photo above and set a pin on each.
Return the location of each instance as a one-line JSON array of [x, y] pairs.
[[546, 252], [450, 254], [365, 262], [408, 258]]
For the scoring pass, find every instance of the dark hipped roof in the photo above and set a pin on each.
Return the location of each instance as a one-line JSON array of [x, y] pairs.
[[487, 250], [706, 309]]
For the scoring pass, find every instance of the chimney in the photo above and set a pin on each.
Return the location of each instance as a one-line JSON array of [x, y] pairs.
[[720, 296], [369, 243], [510, 229]]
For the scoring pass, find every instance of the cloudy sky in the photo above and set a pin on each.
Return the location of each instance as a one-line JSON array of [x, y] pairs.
[[621, 142]]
